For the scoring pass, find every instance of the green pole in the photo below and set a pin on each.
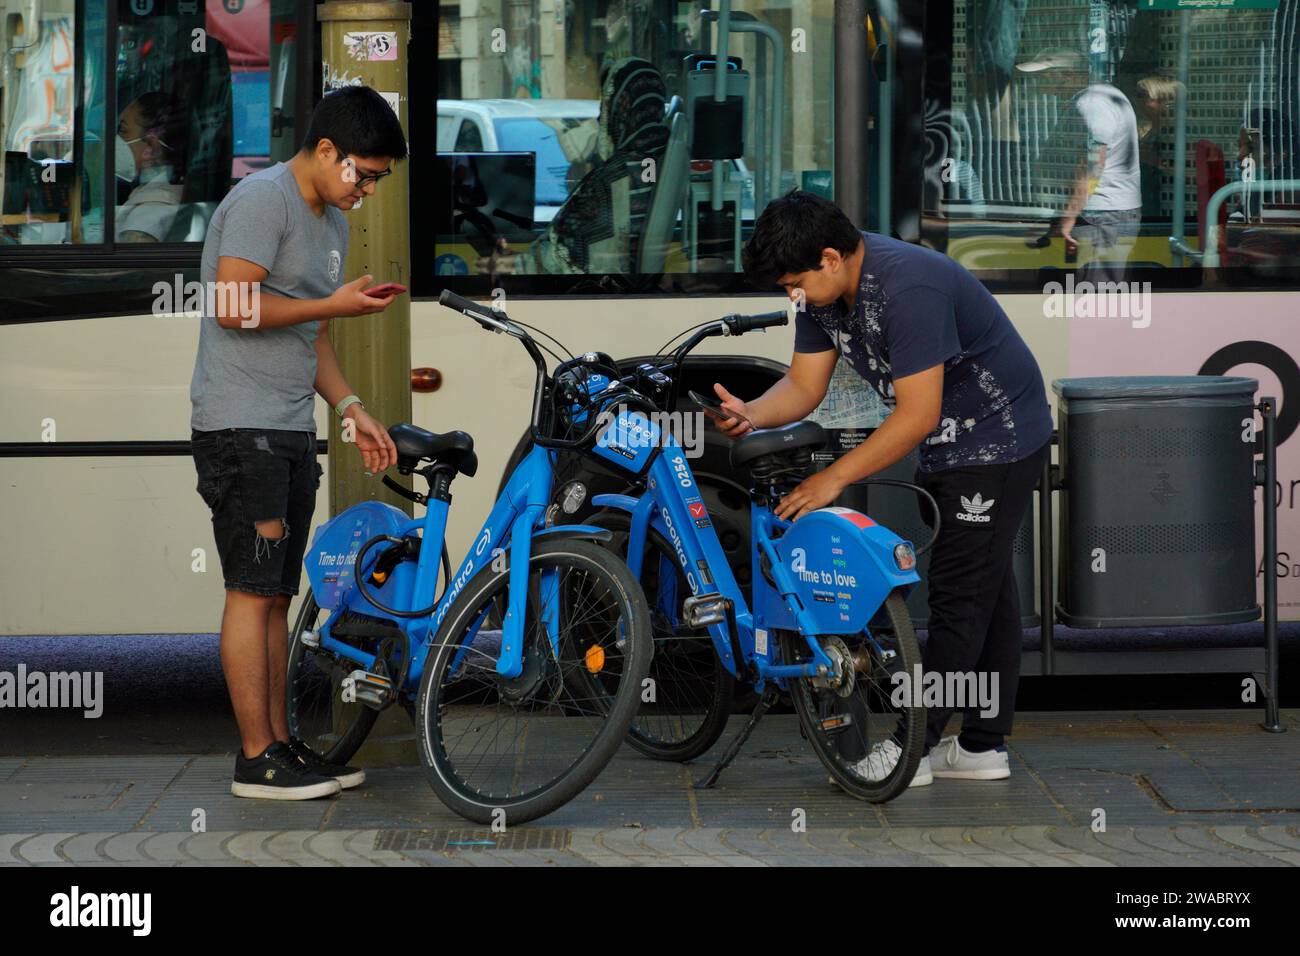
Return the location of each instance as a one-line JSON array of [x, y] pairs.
[[365, 43]]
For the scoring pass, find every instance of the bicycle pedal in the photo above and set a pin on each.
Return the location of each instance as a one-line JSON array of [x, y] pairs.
[[365, 687], [699, 610], [835, 722]]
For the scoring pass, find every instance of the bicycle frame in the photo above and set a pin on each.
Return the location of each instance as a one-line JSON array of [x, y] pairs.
[[672, 505], [516, 519]]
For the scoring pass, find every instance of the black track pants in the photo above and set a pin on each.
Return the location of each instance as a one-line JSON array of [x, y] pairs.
[[974, 606]]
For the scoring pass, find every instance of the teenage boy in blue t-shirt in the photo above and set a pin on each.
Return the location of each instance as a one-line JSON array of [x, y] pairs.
[[963, 386]]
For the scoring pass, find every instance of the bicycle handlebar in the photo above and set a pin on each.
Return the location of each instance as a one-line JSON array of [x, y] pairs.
[[478, 313], [740, 324]]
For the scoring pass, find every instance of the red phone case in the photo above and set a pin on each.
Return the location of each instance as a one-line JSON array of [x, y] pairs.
[[380, 291]]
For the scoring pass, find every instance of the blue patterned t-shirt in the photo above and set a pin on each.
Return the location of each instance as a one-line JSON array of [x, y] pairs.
[[915, 309]]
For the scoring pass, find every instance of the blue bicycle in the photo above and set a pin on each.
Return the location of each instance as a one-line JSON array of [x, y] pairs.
[[828, 623], [523, 676]]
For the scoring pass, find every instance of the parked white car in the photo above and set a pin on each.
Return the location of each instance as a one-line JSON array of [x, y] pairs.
[[560, 132]]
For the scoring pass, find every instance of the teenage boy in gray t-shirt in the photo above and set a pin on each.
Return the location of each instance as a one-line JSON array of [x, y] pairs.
[[272, 262]]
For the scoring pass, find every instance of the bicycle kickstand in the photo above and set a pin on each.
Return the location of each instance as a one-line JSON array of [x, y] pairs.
[[770, 697]]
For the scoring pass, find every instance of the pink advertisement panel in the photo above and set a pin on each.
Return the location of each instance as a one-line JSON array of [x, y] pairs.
[[1254, 334]]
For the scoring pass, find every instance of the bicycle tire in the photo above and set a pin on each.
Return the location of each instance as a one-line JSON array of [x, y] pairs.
[[348, 723], [448, 675], [811, 705], [707, 701]]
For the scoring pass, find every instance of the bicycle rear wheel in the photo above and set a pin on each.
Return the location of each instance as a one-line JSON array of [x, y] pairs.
[[525, 746], [846, 721], [318, 715]]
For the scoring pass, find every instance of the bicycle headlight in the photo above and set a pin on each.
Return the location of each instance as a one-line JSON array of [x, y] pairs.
[[572, 497], [904, 557]]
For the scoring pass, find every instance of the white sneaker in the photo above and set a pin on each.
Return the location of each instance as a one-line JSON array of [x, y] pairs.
[[951, 759], [882, 760]]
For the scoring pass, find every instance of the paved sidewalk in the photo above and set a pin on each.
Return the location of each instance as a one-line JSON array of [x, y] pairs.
[[1176, 788]]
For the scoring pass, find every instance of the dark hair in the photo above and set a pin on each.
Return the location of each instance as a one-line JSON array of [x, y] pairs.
[[161, 118], [792, 232], [359, 122]]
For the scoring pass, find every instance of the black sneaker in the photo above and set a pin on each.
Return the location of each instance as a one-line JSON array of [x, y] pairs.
[[348, 777], [277, 774]]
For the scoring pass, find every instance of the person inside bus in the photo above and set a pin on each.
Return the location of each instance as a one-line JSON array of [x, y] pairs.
[[1104, 204], [965, 393], [1157, 97], [1266, 149], [280, 237], [598, 228], [150, 160]]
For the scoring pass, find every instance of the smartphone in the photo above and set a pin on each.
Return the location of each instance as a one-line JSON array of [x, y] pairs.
[[713, 408], [385, 290]]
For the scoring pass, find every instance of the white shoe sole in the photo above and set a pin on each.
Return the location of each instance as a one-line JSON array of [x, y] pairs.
[[263, 792], [348, 781], [993, 773], [921, 779]]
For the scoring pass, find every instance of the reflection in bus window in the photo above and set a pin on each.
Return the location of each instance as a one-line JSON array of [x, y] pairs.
[[599, 226], [1030, 77], [763, 130]]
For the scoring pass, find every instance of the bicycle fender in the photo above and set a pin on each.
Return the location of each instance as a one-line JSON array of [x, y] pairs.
[[628, 503], [586, 532], [636, 541], [842, 566]]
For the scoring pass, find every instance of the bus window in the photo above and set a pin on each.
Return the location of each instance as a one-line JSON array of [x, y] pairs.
[[204, 93], [1055, 138], [645, 164], [46, 198]]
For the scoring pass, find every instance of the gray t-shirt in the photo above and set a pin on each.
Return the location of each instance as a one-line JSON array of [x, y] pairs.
[[1112, 123], [255, 377]]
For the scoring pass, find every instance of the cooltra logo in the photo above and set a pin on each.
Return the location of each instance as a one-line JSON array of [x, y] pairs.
[[975, 509], [75, 908]]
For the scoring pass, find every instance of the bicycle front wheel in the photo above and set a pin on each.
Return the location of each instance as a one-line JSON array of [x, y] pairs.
[[507, 750], [685, 707], [846, 720]]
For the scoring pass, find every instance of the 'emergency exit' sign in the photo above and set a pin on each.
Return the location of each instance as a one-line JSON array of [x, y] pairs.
[[1208, 5]]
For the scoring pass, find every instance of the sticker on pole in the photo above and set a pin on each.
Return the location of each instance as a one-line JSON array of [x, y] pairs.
[[851, 516], [371, 46]]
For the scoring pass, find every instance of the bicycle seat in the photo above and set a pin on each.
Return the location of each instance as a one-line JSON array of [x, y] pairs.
[[449, 448], [768, 441]]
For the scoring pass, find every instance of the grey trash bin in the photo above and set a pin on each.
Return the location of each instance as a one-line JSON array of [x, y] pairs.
[[1157, 501]]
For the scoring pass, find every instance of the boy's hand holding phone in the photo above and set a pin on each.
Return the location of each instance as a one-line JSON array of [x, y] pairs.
[[356, 298], [730, 415]]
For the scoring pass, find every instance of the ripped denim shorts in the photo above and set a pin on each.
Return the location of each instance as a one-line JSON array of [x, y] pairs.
[[252, 475]]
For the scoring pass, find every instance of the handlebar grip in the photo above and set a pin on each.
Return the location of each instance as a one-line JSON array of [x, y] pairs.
[[468, 306], [740, 324]]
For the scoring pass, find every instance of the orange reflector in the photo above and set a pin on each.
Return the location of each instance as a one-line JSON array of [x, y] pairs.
[[595, 658], [379, 577]]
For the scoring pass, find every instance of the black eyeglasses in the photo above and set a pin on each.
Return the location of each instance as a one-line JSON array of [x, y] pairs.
[[362, 182]]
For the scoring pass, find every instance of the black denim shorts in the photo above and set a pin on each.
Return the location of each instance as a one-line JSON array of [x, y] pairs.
[[249, 475]]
